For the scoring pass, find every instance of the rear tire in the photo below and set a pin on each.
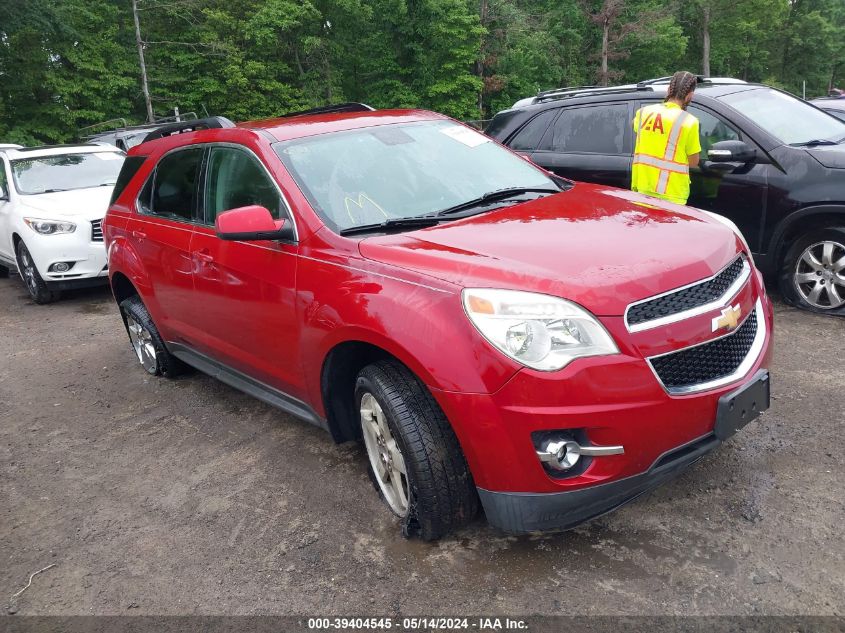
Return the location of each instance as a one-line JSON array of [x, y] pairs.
[[812, 275], [35, 284], [404, 429], [146, 342]]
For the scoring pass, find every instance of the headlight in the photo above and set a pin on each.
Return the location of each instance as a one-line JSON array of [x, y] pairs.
[[49, 227], [539, 331], [733, 227]]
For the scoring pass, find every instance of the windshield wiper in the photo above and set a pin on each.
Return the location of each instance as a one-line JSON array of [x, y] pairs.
[[492, 196], [415, 221], [817, 141]]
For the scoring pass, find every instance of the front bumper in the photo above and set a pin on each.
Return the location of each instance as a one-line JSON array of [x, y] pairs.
[[90, 264], [520, 512]]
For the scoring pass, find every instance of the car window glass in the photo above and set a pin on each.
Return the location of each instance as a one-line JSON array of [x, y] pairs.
[[174, 185], [236, 179], [529, 137], [4, 189], [712, 129], [595, 130]]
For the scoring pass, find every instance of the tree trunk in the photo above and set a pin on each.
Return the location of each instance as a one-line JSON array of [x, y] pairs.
[[483, 11], [705, 25], [144, 86], [605, 36]]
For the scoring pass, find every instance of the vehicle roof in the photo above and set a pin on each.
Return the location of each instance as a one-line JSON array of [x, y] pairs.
[[56, 150], [287, 128]]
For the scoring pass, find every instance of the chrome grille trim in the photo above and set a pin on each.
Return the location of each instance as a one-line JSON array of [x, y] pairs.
[[96, 230], [744, 367], [719, 302]]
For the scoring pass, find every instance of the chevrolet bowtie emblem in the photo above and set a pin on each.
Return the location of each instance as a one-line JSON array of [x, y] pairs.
[[729, 318]]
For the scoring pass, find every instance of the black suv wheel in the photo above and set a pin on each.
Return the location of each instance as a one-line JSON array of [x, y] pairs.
[[813, 272]]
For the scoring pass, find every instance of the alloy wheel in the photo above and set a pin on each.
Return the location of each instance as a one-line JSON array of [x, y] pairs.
[[142, 343], [28, 271], [820, 275], [385, 456]]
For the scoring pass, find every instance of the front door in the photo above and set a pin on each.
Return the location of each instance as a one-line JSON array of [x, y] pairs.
[[740, 194], [246, 291], [161, 235]]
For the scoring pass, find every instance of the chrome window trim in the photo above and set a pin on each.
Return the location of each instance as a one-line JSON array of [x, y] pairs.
[[719, 302], [743, 369]]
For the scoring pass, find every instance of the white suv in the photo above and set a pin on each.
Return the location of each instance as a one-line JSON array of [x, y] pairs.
[[52, 203]]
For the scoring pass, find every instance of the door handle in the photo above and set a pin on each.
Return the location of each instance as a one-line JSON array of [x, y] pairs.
[[205, 257], [139, 234]]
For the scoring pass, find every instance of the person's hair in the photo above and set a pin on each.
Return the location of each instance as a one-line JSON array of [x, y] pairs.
[[682, 83]]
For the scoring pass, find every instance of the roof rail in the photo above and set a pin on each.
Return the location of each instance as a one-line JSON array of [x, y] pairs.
[[545, 93], [182, 127], [578, 92], [699, 79], [351, 106], [40, 147], [109, 123]]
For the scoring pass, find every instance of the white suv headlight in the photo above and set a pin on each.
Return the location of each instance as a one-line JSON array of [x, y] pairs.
[[539, 331], [49, 227]]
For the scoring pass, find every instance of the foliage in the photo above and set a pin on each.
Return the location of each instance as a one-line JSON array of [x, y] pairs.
[[65, 64]]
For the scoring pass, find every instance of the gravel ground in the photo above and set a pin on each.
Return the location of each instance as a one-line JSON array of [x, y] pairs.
[[153, 496]]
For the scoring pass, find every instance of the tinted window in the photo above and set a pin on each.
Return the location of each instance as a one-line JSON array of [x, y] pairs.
[[595, 130], [236, 179], [528, 138], [130, 167], [712, 129], [839, 114], [174, 185]]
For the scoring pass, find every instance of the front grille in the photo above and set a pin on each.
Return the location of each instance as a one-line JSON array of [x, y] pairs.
[[96, 230], [708, 362], [688, 298]]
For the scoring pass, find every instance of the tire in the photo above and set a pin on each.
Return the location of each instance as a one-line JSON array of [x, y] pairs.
[[439, 492], [35, 284], [146, 342], [812, 274], [4, 272]]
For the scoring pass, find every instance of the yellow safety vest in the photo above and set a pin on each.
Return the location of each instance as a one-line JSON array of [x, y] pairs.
[[666, 137]]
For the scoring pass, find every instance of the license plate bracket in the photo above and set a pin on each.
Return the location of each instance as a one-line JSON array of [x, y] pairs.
[[737, 408]]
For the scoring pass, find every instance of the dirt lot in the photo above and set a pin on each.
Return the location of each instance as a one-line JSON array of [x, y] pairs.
[[186, 497]]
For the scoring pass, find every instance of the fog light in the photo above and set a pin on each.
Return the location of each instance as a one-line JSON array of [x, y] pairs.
[[563, 454], [60, 267]]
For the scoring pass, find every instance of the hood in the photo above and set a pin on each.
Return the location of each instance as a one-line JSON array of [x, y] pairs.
[[86, 204], [832, 156], [600, 247]]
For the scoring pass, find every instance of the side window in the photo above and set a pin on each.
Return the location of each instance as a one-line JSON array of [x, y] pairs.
[[235, 179], [592, 130], [529, 137], [172, 191], [712, 129], [4, 184]]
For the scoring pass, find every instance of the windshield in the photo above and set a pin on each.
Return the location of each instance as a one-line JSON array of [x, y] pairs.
[[788, 119], [366, 176], [66, 171]]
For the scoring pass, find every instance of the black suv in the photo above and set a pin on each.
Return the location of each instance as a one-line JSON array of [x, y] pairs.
[[771, 163]]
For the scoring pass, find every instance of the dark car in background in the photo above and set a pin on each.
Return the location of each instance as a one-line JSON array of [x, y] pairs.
[[771, 163]]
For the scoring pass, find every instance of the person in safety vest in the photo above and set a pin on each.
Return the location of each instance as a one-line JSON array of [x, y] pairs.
[[667, 143]]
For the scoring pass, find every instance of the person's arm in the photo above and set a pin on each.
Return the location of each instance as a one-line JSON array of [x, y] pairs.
[[693, 144], [694, 159]]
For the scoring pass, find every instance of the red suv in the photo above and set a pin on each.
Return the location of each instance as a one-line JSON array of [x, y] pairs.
[[492, 332]]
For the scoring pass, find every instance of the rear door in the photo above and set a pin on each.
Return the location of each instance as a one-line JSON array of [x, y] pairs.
[[246, 290], [591, 143], [161, 234]]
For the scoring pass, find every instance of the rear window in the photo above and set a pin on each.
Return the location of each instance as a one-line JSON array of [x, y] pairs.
[[130, 167]]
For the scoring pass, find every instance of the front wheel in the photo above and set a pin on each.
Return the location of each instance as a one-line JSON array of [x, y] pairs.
[[35, 284], [813, 272], [415, 460]]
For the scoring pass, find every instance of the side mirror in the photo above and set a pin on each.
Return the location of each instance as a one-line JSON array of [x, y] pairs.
[[731, 152], [250, 224]]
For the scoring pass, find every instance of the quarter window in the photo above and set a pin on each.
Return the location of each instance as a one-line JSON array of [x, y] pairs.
[[172, 192], [4, 186], [236, 179], [592, 130], [712, 129]]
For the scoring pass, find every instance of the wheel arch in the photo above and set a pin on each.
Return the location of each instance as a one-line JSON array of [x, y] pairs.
[[800, 222], [122, 288]]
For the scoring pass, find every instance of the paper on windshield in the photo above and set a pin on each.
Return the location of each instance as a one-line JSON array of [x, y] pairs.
[[464, 135]]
